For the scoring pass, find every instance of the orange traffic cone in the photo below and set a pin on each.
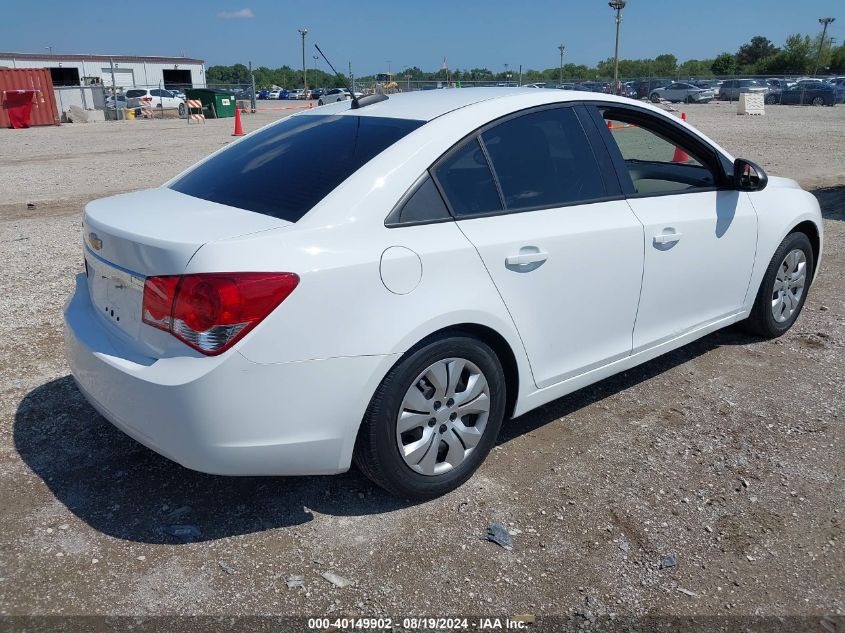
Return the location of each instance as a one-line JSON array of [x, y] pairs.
[[610, 125], [680, 156], [239, 128]]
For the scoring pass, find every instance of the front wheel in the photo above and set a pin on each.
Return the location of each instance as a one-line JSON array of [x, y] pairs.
[[320, 102], [433, 419], [181, 109], [771, 100], [655, 98], [784, 288], [818, 101]]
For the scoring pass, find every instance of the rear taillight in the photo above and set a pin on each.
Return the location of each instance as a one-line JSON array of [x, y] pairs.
[[212, 311]]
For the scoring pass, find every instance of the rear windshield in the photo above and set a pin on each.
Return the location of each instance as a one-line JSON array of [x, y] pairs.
[[285, 169], [135, 93]]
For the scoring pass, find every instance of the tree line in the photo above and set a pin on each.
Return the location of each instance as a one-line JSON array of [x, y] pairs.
[[798, 55]]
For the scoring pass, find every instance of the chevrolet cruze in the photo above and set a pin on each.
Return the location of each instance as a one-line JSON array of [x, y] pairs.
[[460, 257]]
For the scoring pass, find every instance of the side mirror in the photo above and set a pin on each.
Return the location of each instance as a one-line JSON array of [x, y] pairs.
[[749, 176]]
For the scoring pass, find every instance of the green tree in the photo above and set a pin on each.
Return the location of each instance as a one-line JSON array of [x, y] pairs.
[[837, 60], [750, 56], [724, 64], [797, 52]]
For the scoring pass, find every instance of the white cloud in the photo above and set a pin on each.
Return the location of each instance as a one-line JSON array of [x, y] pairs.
[[234, 15]]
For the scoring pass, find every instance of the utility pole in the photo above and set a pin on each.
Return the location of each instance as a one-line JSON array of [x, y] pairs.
[[315, 57], [562, 50], [303, 32], [824, 22], [252, 95], [388, 67], [617, 5], [351, 81], [520, 75]]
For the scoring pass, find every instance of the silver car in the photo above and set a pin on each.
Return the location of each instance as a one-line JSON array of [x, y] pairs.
[[679, 91], [732, 88], [335, 94]]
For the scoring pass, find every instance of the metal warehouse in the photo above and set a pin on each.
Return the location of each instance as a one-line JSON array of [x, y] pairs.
[[128, 71]]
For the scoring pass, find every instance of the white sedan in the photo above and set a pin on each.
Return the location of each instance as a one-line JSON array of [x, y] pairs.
[[335, 94], [459, 258]]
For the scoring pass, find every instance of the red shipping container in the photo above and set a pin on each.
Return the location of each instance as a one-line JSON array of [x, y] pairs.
[[44, 110]]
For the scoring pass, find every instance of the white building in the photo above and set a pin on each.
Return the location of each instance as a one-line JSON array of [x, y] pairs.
[[128, 71]]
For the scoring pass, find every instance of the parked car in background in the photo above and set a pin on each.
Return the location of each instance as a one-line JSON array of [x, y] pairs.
[[537, 84], [178, 94], [817, 93], [645, 88], [274, 94], [264, 93], [335, 94], [299, 93], [316, 93], [387, 285], [707, 84], [156, 98], [732, 88], [682, 92], [121, 100]]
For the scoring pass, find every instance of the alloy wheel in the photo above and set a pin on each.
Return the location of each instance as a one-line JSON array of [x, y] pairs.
[[443, 416], [790, 282]]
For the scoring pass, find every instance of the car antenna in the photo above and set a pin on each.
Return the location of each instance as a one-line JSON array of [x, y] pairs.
[[356, 103]]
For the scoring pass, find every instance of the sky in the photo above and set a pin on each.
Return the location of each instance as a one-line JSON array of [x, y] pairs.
[[368, 33]]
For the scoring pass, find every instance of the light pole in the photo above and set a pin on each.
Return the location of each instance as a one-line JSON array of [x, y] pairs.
[[49, 48], [507, 75], [617, 5], [303, 32], [315, 58], [824, 22], [388, 68], [562, 50]]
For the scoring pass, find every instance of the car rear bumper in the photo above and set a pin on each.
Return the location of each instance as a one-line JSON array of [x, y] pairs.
[[226, 414]]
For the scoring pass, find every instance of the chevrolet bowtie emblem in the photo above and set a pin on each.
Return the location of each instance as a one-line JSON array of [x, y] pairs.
[[95, 242]]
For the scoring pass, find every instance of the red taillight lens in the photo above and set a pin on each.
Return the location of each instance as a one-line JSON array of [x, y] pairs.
[[212, 311]]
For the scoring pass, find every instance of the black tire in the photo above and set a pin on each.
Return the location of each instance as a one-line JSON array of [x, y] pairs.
[[376, 452], [771, 100], [320, 102], [654, 98], [689, 100], [181, 109], [818, 101], [761, 320]]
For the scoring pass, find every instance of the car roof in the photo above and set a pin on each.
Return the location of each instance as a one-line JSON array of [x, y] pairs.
[[426, 105]]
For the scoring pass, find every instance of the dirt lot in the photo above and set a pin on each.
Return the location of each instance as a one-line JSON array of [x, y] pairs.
[[726, 454]]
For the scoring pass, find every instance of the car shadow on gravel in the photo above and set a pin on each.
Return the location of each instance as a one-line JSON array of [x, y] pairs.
[[832, 202], [596, 392], [127, 491]]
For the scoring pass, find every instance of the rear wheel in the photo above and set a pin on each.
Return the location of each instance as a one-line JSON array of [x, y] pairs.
[[181, 109], [818, 101], [654, 98], [320, 102], [771, 100], [784, 288], [433, 419]]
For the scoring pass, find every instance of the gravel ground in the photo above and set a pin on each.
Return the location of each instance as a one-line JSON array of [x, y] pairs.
[[726, 454]]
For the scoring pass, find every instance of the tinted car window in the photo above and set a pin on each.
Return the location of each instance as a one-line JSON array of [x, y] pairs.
[[283, 170], [424, 205], [543, 159], [467, 181], [132, 94]]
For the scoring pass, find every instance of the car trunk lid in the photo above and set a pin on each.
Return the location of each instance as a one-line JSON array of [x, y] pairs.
[[153, 232]]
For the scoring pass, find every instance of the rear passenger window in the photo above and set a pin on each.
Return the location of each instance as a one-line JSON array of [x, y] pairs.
[[544, 159], [467, 182], [424, 205]]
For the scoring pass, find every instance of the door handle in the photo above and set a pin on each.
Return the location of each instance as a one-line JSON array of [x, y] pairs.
[[526, 258], [667, 238]]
